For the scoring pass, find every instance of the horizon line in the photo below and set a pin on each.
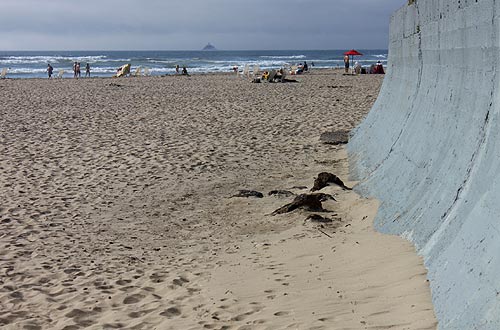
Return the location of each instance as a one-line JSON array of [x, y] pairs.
[[177, 50]]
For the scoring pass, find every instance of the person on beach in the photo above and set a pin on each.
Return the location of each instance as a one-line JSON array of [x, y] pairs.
[[346, 63], [50, 69], [185, 71], [87, 70], [74, 70], [78, 72], [177, 69], [306, 67], [379, 68], [357, 67]]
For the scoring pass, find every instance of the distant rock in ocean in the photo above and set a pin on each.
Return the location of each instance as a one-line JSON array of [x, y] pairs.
[[209, 46]]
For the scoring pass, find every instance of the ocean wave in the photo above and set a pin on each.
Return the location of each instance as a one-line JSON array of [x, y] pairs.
[[283, 56], [26, 71], [13, 60], [48, 59]]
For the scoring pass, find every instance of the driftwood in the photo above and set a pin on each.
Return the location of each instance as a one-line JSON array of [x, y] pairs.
[[321, 231], [308, 202], [324, 178]]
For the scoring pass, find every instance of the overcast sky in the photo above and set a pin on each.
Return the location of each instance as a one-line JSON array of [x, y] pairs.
[[190, 24]]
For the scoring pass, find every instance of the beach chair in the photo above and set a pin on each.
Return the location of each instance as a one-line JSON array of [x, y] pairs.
[[283, 75], [246, 71], [256, 71], [137, 72], [272, 75], [60, 74], [147, 73], [4, 73]]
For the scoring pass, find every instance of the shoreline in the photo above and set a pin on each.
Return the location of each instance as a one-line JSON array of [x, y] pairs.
[[68, 76], [118, 211]]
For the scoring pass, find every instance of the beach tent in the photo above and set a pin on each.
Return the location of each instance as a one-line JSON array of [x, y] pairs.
[[353, 53]]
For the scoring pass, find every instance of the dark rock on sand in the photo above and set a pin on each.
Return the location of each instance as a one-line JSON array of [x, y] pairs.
[[284, 193], [249, 193], [324, 178], [335, 137]]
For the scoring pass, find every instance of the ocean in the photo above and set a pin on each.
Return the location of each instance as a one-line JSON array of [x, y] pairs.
[[33, 64]]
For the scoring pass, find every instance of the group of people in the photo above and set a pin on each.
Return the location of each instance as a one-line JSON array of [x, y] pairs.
[[76, 70], [184, 70], [377, 68], [301, 68]]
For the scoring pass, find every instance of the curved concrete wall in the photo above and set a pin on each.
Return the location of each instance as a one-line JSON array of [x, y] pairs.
[[429, 150]]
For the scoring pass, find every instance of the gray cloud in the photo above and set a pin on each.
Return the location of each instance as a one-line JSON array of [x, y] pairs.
[[189, 24]]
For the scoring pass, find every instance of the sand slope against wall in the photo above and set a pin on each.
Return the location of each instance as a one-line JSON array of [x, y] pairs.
[[429, 150]]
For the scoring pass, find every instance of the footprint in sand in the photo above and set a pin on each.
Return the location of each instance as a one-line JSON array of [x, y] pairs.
[[281, 313], [240, 317], [71, 327], [123, 282], [157, 277], [171, 312], [135, 315], [133, 299]]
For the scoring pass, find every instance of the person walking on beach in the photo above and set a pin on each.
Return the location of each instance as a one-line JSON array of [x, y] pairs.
[[346, 63], [74, 70], [50, 69], [87, 70], [78, 72]]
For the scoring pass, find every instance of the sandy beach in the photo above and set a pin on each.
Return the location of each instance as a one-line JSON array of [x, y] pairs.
[[119, 211]]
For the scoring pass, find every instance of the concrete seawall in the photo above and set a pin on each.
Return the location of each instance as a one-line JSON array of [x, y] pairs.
[[429, 150]]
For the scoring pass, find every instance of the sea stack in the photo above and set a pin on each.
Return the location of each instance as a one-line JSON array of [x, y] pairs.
[[209, 46]]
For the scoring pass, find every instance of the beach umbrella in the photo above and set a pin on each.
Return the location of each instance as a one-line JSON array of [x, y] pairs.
[[352, 53]]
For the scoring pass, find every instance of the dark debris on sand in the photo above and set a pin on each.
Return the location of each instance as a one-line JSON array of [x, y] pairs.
[[319, 218], [324, 178], [249, 193], [304, 201], [283, 193]]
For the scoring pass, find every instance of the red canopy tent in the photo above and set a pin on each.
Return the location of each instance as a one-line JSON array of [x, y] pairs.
[[352, 53]]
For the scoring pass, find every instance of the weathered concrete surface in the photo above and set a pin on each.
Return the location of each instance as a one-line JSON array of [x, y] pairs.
[[429, 150]]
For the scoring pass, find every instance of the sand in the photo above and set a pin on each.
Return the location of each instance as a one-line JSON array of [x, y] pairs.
[[117, 208]]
